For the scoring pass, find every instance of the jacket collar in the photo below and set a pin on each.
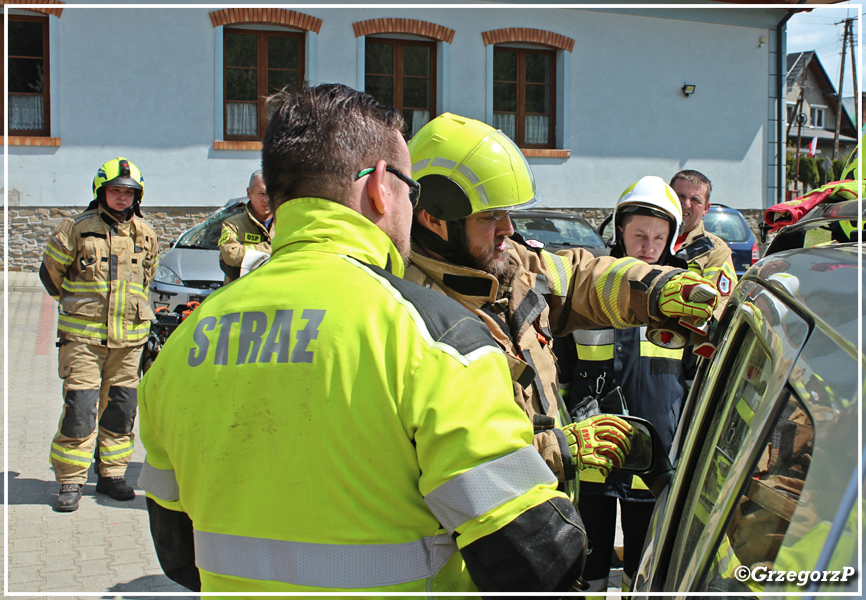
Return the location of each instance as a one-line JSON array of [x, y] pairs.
[[324, 226], [255, 221], [473, 287]]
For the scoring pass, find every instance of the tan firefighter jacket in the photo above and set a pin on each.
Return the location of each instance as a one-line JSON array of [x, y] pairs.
[[709, 256], [240, 233], [542, 295], [98, 269]]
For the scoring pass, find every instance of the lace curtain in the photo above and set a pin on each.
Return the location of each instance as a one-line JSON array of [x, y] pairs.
[[26, 112], [241, 118], [537, 127]]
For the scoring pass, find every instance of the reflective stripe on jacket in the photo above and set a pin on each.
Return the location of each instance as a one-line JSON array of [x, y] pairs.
[[710, 257], [99, 269], [322, 410]]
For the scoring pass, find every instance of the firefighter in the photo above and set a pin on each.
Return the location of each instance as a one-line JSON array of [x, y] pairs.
[[706, 254], [247, 235], [609, 365], [98, 265], [324, 411], [464, 246]]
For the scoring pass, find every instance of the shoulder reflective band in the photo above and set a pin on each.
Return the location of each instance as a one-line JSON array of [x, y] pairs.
[[159, 482], [607, 289], [559, 269], [492, 484], [594, 344], [322, 565]]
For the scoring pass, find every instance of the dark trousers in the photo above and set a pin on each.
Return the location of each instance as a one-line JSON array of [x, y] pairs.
[[599, 517]]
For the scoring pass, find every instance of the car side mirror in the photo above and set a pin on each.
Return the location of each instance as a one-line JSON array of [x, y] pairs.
[[648, 458]]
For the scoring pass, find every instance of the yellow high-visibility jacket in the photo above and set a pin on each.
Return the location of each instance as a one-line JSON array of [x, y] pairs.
[[328, 426], [98, 269]]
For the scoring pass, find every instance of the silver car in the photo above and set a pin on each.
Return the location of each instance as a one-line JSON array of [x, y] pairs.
[[190, 270]]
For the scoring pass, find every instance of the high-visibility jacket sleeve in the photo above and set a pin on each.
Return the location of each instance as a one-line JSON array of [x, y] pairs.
[[57, 258], [232, 249], [584, 291]]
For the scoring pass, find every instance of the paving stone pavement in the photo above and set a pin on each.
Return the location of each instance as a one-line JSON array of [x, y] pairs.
[[105, 546]]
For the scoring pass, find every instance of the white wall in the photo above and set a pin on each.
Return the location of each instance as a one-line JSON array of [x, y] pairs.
[[139, 82]]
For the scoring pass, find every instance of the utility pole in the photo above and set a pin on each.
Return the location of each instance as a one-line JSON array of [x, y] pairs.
[[846, 36], [854, 73]]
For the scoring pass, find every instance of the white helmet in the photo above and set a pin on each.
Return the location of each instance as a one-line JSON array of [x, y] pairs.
[[650, 196]]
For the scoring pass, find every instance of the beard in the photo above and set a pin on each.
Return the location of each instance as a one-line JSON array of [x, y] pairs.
[[488, 259]]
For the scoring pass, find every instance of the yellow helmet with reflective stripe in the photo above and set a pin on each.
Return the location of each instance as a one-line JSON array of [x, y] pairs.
[[121, 173], [466, 167], [650, 195]]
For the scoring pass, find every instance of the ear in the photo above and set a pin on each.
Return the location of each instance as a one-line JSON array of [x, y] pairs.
[[376, 190], [437, 226], [706, 208]]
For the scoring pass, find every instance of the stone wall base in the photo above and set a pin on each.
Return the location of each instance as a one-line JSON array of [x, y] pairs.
[[29, 228]]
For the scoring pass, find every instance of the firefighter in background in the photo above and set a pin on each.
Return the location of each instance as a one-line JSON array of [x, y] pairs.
[[622, 365], [98, 265], [246, 236], [464, 246], [706, 254]]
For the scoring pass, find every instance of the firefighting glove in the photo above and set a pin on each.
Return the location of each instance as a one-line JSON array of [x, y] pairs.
[[600, 442], [690, 298]]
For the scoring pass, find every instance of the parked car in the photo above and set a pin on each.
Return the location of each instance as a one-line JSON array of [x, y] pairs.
[[556, 230], [763, 492], [190, 270], [727, 223], [730, 225]]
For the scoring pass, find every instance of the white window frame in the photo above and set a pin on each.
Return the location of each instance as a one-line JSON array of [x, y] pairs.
[[817, 110]]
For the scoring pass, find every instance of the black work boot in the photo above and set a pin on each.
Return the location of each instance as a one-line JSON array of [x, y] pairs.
[[67, 500], [115, 487]]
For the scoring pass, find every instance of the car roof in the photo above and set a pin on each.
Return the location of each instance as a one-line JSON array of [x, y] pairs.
[[553, 214]]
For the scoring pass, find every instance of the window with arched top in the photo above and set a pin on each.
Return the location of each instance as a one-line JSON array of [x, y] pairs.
[[400, 65], [525, 91]]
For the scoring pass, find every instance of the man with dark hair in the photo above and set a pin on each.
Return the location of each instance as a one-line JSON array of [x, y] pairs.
[[315, 425], [246, 237], [706, 254]]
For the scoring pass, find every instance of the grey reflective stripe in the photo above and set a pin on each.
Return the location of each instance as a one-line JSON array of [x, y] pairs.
[[476, 183], [593, 337], [322, 565], [643, 333], [492, 484], [420, 166], [158, 482], [443, 163]]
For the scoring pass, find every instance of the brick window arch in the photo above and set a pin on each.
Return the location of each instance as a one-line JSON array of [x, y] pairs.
[[524, 83], [402, 72], [257, 62]]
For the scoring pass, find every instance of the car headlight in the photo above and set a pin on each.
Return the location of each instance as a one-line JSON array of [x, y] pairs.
[[166, 275]]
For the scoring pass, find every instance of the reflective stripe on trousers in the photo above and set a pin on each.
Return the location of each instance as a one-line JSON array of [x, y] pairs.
[[322, 565]]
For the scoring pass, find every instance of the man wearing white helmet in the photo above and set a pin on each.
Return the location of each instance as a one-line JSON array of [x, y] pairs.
[[464, 246], [602, 365]]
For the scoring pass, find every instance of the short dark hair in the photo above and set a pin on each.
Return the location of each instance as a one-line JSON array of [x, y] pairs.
[[695, 177], [318, 138]]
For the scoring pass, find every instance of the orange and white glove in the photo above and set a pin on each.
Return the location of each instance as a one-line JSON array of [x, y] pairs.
[[688, 297], [600, 442]]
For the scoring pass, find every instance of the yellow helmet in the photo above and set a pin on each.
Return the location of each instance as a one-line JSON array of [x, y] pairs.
[[651, 196], [121, 173], [466, 167]]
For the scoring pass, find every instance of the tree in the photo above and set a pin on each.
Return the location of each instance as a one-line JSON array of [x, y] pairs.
[[809, 171]]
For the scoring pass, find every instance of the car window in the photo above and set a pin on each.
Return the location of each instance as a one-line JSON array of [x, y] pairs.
[[745, 386], [552, 230], [206, 234], [727, 225], [765, 510]]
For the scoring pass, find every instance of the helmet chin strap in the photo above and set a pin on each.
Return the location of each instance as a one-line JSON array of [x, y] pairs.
[[455, 250], [121, 215]]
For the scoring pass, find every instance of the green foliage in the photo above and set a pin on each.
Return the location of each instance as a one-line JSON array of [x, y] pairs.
[[809, 171], [838, 167]]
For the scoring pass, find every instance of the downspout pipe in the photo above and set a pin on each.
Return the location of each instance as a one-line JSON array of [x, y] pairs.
[[781, 83]]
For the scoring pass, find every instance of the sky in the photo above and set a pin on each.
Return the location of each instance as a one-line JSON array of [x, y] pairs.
[[817, 30]]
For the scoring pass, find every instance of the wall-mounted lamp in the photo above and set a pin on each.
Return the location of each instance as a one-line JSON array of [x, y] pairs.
[[688, 89], [761, 41]]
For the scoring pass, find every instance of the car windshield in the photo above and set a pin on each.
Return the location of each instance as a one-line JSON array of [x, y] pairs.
[[727, 225], [206, 235], [556, 230]]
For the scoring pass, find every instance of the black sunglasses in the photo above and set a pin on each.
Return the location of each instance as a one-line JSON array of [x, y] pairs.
[[414, 186]]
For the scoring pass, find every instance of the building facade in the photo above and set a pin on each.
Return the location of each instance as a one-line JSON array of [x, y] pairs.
[[596, 98]]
